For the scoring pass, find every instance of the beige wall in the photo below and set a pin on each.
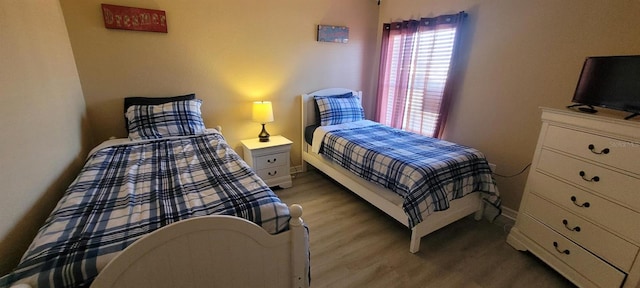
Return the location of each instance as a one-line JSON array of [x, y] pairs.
[[43, 123], [229, 53], [522, 55]]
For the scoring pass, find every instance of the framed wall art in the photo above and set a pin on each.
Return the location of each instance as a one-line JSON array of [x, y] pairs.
[[131, 18], [331, 33]]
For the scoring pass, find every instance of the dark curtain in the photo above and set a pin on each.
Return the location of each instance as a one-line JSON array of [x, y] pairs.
[[409, 57]]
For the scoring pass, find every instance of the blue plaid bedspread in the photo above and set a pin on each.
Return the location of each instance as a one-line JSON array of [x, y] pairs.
[[426, 172], [126, 191]]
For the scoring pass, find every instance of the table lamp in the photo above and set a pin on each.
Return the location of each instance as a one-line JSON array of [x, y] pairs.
[[263, 113]]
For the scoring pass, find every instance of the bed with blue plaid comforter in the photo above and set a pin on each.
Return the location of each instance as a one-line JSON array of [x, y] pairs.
[[126, 191], [426, 172]]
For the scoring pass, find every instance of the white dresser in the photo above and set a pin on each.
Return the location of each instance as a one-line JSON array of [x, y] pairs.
[[580, 212], [270, 160]]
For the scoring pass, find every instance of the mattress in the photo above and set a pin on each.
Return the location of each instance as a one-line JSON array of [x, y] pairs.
[[128, 189], [308, 133]]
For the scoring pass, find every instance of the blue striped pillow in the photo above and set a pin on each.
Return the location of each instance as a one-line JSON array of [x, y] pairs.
[[178, 118], [338, 110]]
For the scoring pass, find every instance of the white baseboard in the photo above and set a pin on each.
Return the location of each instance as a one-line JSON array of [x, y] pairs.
[[295, 169], [509, 213]]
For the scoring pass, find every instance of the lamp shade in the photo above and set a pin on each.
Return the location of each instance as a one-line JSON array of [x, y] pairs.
[[262, 112]]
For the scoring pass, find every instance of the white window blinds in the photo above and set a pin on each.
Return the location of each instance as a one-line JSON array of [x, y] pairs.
[[427, 76]]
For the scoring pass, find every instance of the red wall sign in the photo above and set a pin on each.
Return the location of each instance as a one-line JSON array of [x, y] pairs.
[[130, 18]]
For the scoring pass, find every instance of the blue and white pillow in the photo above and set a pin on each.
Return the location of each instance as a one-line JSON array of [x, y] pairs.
[[178, 118], [338, 110]]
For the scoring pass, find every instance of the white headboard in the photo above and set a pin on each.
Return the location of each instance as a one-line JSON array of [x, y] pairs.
[[308, 107]]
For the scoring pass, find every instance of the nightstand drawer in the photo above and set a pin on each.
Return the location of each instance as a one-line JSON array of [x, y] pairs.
[[273, 172], [587, 145], [617, 186], [599, 241], [272, 160], [608, 214], [585, 263]]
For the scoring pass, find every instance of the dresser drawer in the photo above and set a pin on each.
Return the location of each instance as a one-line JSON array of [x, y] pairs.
[[272, 160], [617, 186], [606, 213], [582, 143], [273, 172], [585, 263], [611, 248]]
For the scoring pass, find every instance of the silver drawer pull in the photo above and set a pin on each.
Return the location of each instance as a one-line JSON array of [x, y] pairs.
[[566, 225], [271, 161], [566, 251], [593, 179], [603, 151], [274, 173], [585, 204]]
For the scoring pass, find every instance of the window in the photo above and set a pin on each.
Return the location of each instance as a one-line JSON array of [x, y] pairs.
[[416, 60]]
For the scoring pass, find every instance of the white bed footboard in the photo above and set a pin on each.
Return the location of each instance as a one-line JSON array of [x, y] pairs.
[[220, 251]]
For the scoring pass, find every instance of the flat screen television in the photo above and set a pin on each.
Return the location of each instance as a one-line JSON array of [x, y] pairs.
[[611, 82]]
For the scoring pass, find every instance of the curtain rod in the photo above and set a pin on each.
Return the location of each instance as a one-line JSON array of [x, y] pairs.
[[464, 15]]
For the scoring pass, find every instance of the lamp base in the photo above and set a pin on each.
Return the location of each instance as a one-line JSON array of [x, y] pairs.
[[264, 135]]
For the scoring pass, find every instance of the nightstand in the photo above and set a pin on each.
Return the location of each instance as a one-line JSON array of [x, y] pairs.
[[270, 159]]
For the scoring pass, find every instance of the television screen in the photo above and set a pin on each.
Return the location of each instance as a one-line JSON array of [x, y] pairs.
[[610, 82]]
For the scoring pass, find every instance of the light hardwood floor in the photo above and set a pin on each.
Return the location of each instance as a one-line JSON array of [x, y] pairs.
[[353, 244]]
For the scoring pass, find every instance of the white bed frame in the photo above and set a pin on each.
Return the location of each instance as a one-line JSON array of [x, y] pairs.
[[217, 250], [208, 251], [384, 199]]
